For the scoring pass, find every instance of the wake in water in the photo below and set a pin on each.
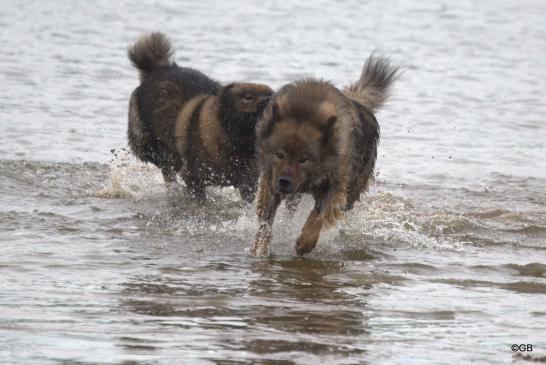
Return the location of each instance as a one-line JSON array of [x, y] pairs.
[[389, 216], [383, 218]]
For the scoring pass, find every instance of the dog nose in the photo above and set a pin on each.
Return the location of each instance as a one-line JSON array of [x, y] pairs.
[[285, 184]]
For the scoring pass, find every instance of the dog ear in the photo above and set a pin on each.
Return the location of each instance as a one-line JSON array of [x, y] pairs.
[[275, 112], [226, 95], [327, 129], [226, 89], [267, 128]]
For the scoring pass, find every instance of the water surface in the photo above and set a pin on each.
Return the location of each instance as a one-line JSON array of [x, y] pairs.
[[444, 261]]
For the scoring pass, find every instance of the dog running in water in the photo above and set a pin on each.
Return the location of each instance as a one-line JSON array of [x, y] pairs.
[[189, 124], [314, 138]]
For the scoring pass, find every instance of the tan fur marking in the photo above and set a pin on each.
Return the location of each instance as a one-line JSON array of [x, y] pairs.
[[183, 123], [262, 89], [264, 196], [266, 207], [310, 233], [327, 110], [297, 132], [333, 213], [281, 101], [134, 115], [212, 134], [259, 88], [308, 132]]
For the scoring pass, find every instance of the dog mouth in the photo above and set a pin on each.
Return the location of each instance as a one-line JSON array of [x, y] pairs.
[[286, 186], [286, 190]]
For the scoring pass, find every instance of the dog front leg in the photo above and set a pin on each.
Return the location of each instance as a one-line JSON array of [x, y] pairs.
[[267, 205], [169, 175], [311, 230], [327, 210]]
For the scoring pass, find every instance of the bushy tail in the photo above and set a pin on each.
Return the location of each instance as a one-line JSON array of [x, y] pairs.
[[149, 52], [374, 85]]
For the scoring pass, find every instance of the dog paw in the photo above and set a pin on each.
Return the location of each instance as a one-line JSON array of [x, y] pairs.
[[305, 244], [259, 249]]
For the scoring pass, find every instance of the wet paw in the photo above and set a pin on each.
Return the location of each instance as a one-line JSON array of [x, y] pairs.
[[306, 243]]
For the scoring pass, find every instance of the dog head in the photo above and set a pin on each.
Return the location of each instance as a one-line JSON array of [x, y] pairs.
[[245, 98], [241, 105], [295, 138]]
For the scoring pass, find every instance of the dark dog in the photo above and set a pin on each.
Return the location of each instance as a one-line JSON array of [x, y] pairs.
[[316, 139], [184, 122]]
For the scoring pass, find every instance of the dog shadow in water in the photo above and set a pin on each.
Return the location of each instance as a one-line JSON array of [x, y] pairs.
[[266, 309]]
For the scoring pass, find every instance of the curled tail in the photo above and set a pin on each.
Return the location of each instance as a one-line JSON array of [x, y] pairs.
[[149, 52], [374, 85]]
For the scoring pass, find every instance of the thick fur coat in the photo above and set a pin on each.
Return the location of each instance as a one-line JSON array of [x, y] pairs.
[[186, 123], [314, 138]]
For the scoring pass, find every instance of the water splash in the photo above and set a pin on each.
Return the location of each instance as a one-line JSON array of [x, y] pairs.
[[387, 216], [129, 178]]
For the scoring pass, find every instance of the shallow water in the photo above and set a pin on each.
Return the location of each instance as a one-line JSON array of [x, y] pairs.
[[443, 262]]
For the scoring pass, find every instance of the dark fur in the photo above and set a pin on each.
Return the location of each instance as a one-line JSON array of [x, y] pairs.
[[316, 139], [184, 122]]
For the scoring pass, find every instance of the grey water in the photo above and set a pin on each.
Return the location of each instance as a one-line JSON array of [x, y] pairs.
[[443, 262]]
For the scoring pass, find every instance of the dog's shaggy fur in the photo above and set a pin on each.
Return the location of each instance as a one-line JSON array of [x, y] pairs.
[[314, 138], [184, 122]]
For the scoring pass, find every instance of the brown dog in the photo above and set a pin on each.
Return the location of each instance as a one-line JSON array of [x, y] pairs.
[[314, 138], [184, 122]]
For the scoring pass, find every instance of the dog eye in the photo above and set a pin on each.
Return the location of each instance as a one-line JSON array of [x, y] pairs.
[[303, 160], [279, 155], [248, 98]]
